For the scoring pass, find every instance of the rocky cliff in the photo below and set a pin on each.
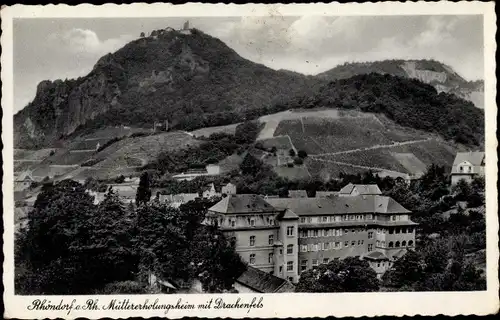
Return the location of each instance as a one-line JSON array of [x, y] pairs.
[[439, 75]]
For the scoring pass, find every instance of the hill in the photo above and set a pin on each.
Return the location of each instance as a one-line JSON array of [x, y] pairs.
[[164, 76], [407, 102], [439, 75]]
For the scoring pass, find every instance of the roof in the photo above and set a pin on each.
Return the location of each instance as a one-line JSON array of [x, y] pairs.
[[25, 175], [287, 215], [324, 194], [242, 203], [376, 255], [475, 158], [263, 282], [126, 191], [398, 254], [339, 205], [367, 189], [297, 193]]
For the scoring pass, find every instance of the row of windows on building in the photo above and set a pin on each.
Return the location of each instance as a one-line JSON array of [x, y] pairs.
[[270, 239], [313, 247], [251, 221], [348, 217], [336, 232]]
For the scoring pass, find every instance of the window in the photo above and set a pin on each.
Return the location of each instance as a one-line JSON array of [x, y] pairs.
[[303, 265], [315, 247], [252, 222], [397, 244], [325, 233], [346, 243], [332, 218], [271, 221], [359, 242], [370, 247], [233, 240], [252, 258], [369, 217], [346, 231], [391, 231], [378, 231], [410, 243], [378, 264], [370, 235], [362, 241], [302, 220], [289, 266], [270, 241], [403, 244], [325, 219], [315, 263], [270, 258], [398, 230], [344, 217], [383, 244], [391, 244], [303, 247], [325, 260], [309, 220], [281, 269], [461, 169], [252, 241], [281, 250], [289, 231], [315, 233], [289, 249], [290, 279], [337, 245], [233, 223], [353, 243], [351, 217], [393, 218], [378, 243], [353, 230]]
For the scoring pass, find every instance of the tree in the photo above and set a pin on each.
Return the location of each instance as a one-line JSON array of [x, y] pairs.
[[142, 35], [291, 153], [348, 275], [461, 190], [143, 191], [302, 154], [250, 165], [406, 271], [51, 246], [298, 161]]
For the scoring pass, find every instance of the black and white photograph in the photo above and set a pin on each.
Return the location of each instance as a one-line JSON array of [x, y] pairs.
[[274, 154]]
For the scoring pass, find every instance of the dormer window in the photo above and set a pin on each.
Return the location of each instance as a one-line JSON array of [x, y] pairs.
[[252, 222], [461, 169]]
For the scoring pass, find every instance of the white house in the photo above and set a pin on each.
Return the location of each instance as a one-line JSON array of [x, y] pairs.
[[467, 165]]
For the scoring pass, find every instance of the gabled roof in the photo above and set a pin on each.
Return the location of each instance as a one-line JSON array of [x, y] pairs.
[[366, 189], [242, 203], [263, 282], [474, 158], [287, 215], [339, 205], [297, 194]]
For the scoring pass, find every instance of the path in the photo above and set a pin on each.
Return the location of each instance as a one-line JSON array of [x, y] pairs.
[[395, 144], [361, 167]]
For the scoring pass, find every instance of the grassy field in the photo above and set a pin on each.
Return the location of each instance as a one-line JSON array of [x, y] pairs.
[[205, 132], [326, 171], [411, 158], [281, 142], [131, 152], [35, 155]]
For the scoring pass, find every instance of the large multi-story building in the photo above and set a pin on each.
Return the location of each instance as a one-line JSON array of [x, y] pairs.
[[286, 236]]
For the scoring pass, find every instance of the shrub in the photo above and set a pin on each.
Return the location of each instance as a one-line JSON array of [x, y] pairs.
[[302, 154]]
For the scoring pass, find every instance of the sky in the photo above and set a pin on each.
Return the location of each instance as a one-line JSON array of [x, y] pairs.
[[50, 49]]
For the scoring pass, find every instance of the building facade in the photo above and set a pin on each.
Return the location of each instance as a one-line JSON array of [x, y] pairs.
[[287, 236], [467, 166]]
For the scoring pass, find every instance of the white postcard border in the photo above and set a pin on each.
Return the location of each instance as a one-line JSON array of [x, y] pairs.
[[273, 305]]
